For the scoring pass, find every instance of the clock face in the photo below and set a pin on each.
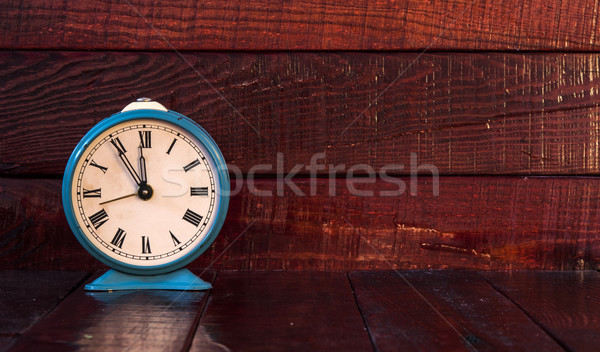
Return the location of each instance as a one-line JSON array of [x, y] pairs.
[[145, 192]]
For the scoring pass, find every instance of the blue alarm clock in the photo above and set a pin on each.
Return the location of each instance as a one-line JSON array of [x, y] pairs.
[[146, 192]]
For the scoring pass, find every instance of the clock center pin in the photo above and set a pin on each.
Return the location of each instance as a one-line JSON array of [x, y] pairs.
[[145, 191]]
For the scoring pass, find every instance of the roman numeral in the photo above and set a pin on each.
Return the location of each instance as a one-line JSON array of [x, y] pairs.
[[117, 143], [93, 163], [99, 218], [192, 218], [176, 242], [146, 245], [171, 146], [91, 193], [199, 191], [191, 165], [145, 139], [119, 238]]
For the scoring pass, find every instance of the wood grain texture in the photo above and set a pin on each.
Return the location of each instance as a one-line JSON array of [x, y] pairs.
[[565, 304], [150, 320], [300, 25], [442, 311], [26, 296], [34, 233], [282, 311], [475, 222], [465, 113]]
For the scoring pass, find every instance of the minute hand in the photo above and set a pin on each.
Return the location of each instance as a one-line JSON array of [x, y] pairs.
[[127, 164]]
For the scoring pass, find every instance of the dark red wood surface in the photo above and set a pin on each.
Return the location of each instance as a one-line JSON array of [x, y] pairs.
[[418, 310], [300, 25], [282, 311], [34, 229], [565, 304], [26, 296], [442, 311], [465, 113], [151, 320], [475, 222], [510, 89]]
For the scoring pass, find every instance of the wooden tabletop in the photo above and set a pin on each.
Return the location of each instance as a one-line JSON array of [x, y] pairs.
[[308, 311]]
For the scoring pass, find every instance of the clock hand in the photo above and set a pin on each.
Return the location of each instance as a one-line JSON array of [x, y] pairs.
[[126, 162], [145, 191], [143, 176], [119, 198], [134, 174]]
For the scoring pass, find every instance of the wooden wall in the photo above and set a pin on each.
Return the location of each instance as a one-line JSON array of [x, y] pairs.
[[501, 97]]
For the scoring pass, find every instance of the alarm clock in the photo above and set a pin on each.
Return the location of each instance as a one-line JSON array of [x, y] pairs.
[[146, 192]]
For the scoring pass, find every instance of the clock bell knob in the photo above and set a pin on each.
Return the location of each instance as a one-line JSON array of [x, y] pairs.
[[144, 103]]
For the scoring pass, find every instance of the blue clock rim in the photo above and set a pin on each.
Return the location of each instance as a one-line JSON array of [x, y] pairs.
[[181, 121]]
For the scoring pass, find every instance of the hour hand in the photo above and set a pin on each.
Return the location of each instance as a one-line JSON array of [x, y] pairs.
[[143, 176], [121, 150]]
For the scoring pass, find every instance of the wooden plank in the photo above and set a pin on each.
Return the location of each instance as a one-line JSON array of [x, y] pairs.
[[300, 25], [442, 311], [34, 233], [137, 320], [475, 222], [465, 113], [27, 296], [565, 304], [277, 311]]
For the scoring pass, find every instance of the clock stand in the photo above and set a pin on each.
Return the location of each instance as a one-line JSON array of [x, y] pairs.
[[179, 280]]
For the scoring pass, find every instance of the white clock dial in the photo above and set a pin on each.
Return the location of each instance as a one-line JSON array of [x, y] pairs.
[[144, 192]]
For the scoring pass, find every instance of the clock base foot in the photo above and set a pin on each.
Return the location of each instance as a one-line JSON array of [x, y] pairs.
[[179, 280]]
